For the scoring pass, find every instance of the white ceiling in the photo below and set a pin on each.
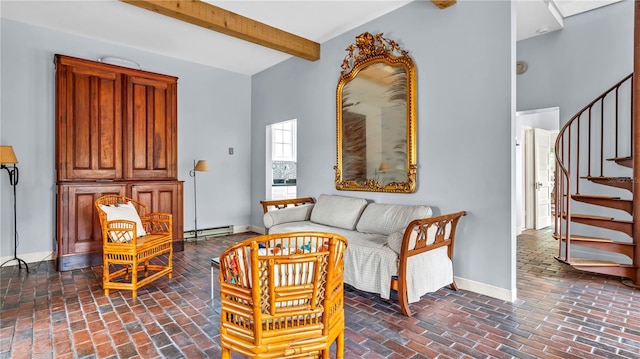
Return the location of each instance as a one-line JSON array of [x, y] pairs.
[[127, 25], [538, 17]]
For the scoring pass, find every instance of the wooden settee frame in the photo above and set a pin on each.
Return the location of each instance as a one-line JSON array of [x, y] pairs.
[[421, 226]]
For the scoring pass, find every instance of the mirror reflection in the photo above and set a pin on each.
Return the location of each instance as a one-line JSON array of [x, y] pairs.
[[374, 127]]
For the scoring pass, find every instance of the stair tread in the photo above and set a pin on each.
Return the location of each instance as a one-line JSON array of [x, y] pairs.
[[586, 262], [619, 158], [587, 238], [589, 217], [586, 216], [594, 196], [622, 178], [595, 239]]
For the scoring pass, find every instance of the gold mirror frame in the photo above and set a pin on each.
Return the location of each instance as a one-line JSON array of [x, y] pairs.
[[376, 125]]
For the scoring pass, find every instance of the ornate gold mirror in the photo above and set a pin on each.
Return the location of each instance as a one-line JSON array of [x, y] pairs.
[[376, 118]]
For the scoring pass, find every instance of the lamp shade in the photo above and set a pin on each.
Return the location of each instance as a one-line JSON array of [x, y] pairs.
[[201, 166], [7, 156]]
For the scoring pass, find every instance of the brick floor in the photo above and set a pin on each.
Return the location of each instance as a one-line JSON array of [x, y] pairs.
[[560, 313]]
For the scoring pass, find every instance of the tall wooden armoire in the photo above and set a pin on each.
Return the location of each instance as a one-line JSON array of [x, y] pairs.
[[116, 133]]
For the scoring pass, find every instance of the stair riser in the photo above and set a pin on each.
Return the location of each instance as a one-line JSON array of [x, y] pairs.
[[623, 205], [624, 249], [628, 185], [623, 227], [627, 272]]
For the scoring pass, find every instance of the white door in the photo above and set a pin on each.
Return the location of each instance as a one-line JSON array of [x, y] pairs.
[[542, 178]]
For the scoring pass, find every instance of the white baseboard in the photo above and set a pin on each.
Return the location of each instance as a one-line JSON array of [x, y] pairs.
[[240, 228], [258, 229], [248, 228], [35, 257], [486, 289]]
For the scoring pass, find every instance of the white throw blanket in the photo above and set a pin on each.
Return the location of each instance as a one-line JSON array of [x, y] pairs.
[[369, 263]]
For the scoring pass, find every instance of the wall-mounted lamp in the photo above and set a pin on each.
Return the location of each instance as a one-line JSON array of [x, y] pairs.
[[8, 157], [118, 61], [521, 67], [201, 166]]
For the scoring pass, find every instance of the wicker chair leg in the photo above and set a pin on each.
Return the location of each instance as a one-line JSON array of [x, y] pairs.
[[340, 346], [170, 262], [226, 353], [134, 279], [105, 275]]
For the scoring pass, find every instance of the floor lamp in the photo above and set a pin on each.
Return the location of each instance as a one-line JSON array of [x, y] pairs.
[[8, 157], [201, 166]]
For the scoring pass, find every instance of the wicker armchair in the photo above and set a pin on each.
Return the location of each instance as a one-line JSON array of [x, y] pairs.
[[132, 237], [282, 296]]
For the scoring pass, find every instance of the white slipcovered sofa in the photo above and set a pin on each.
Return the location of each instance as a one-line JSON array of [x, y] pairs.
[[390, 246]]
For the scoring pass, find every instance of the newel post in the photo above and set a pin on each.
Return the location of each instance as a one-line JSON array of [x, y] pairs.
[[636, 139]]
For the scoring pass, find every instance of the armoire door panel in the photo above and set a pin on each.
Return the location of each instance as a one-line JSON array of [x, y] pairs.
[[151, 138], [79, 230], [164, 197], [90, 124]]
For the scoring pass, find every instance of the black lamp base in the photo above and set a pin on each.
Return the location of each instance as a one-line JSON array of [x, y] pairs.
[[13, 179], [20, 263]]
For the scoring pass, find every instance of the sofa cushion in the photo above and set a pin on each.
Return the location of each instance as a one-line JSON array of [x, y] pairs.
[[289, 214], [386, 218], [353, 238], [338, 211]]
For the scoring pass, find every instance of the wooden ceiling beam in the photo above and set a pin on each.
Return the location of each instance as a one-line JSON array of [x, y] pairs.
[[443, 4], [214, 18]]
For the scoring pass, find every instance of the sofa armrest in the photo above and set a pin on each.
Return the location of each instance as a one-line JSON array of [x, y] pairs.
[[288, 214], [284, 203], [420, 236], [427, 234]]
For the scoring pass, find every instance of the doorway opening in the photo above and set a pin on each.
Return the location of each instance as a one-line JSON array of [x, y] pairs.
[[537, 131], [281, 162]]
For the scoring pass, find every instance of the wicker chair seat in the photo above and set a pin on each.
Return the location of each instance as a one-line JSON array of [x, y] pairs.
[[298, 299]]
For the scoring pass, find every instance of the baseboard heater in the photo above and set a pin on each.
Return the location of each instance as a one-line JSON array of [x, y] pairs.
[[209, 232]]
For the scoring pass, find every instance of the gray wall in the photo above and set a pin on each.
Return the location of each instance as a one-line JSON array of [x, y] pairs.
[[571, 67], [213, 114], [463, 57]]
